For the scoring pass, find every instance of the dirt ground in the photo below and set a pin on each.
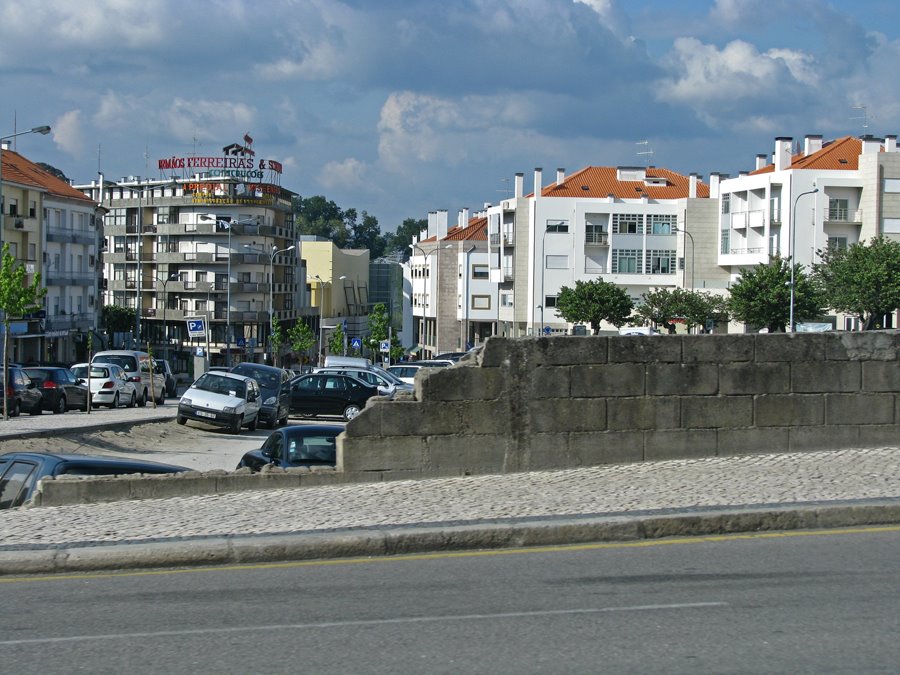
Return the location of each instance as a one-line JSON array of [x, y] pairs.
[[193, 446]]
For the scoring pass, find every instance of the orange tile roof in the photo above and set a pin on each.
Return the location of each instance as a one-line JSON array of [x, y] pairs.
[[601, 181], [476, 230], [17, 169], [840, 154]]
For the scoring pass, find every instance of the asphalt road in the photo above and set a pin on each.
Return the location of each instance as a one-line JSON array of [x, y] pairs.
[[816, 602]]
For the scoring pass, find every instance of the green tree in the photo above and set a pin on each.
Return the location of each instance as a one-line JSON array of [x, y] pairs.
[[117, 319], [400, 240], [379, 330], [862, 280], [16, 298], [322, 217], [592, 302], [301, 337], [366, 234], [661, 305], [277, 339], [336, 340], [762, 295]]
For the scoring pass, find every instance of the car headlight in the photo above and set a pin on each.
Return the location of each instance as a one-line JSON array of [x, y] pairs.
[[186, 401], [269, 401], [229, 409]]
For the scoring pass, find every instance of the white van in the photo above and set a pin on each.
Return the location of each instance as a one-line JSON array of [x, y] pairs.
[[350, 361], [138, 370]]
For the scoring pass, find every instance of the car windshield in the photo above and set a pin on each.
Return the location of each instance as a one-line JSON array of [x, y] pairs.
[[128, 363], [266, 379], [227, 386], [390, 377], [311, 449]]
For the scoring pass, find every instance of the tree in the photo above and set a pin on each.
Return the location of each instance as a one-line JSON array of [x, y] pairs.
[[336, 340], [400, 240], [366, 234], [52, 170], [16, 298], [862, 280], [277, 338], [661, 305], [117, 319], [379, 330], [592, 302], [762, 295], [301, 337], [321, 217]]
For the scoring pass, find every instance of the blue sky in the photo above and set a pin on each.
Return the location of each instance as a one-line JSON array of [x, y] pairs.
[[400, 107]]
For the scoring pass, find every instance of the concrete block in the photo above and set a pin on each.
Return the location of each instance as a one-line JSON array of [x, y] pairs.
[[716, 412], [568, 350], [645, 349], [868, 345], [826, 437], [382, 453], [881, 376], [463, 384], [643, 413], [545, 452], [676, 379], [679, 444], [826, 376], [413, 418], [466, 455], [717, 348], [859, 408], [606, 447], [612, 379], [163, 487], [567, 414], [368, 422], [754, 378], [788, 410], [789, 347], [751, 441], [879, 436], [500, 352], [483, 417], [549, 382]]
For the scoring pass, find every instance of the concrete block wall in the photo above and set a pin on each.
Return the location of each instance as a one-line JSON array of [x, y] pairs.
[[564, 402]]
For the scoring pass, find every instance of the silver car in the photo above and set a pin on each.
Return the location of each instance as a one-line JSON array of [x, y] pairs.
[[110, 386]]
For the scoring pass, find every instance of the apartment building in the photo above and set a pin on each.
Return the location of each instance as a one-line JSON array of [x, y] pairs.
[[836, 193], [53, 229], [219, 244]]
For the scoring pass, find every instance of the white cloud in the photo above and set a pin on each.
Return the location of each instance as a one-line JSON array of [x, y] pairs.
[[67, 133], [346, 174]]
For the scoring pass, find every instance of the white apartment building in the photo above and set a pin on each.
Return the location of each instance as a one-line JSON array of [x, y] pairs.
[[829, 193]]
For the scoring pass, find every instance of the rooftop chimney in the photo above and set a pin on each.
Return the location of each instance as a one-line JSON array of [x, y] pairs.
[[811, 143], [441, 222], [761, 161], [538, 182], [870, 144], [890, 143], [783, 152], [560, 176], [692, 186], [714, 185], [464, 216], [520, 185]]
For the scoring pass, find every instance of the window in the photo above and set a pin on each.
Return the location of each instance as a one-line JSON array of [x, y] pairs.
[[726, 203], [625, 261], [725, 243], [480, 271], [506, 299], [557, 226], [481, 302], [838, 209], [662, 224], [550, 301], [557, 262], [32, 209], [837, 242], [628, 223], [660, 262], [13, 207], [594, 234]]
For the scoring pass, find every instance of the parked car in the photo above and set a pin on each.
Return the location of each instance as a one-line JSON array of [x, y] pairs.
[[387, 384], [296, 445], [22, 393], [276, 392], [60, 389], [222, 399], [21, 471], [135, 363], [450, 356], [164, 370], [109, 384], [329, 394], [407, 371]]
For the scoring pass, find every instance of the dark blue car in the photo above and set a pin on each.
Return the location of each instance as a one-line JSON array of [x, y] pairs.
[[296, 445]]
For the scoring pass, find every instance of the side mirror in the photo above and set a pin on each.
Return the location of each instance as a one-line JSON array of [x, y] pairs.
[[267, 453], [81, 380]]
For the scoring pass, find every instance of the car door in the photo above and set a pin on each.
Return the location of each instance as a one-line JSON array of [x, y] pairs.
[[76, 394], [31, 395], [333, 394], [305, 394]]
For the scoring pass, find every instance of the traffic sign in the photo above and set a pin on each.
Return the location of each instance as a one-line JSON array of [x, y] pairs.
[[385, 346], [546, 330], [241, 342], [356, 343], [196, 326]]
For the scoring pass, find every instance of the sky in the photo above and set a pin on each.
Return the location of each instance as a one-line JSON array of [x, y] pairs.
[[401, 107]]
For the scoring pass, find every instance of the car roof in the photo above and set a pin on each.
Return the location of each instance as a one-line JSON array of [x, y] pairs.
[[95, 460], [229, 374], [256, 366]]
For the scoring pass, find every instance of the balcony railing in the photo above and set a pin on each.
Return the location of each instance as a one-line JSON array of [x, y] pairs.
[[842, 215], [596, 238]]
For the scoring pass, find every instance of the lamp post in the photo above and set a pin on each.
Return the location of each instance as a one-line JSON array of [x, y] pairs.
[[275, 251], [693, 248], [322, 282], [164, 283], [43, 130], [793, 253]]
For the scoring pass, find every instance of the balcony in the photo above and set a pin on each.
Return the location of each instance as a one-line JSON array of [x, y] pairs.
[[596, 239], [842, 215], [63, 278], [65, 235]]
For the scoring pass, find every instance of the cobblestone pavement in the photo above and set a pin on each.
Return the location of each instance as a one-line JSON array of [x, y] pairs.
[[620, 489]]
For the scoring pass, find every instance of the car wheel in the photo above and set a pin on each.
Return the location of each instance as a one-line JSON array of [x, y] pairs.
[[252, 426], [162, 398], [283, 421], [236, 425], [16, 409], [115, 401], [60, 406], [351, 411], [273, 422], [181, 419], [142, 401]]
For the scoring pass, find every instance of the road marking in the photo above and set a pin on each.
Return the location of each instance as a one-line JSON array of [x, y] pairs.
[[643, 543], [363, 622]]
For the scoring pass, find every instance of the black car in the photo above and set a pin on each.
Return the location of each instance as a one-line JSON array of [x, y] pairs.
[[21, 471], [296, 445], [329, 394], [22, 394], [276, 395], [60, 389]]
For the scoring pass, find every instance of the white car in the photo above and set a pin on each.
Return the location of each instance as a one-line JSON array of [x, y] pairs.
[[222, 399], [110, 386]]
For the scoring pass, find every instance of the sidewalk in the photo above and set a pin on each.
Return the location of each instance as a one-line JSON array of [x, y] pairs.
[[634, 501], [77, 420]]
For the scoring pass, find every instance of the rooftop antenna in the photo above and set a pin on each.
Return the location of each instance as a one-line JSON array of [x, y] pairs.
[[505, 190], [648, 151], [864, 118]]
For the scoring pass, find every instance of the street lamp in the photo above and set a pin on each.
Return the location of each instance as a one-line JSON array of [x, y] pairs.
[[172, 277], [275, 251], [793, 254], [43, 130], [693, 249]]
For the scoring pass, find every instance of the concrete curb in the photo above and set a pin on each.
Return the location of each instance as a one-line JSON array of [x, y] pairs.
[[448, 537]]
